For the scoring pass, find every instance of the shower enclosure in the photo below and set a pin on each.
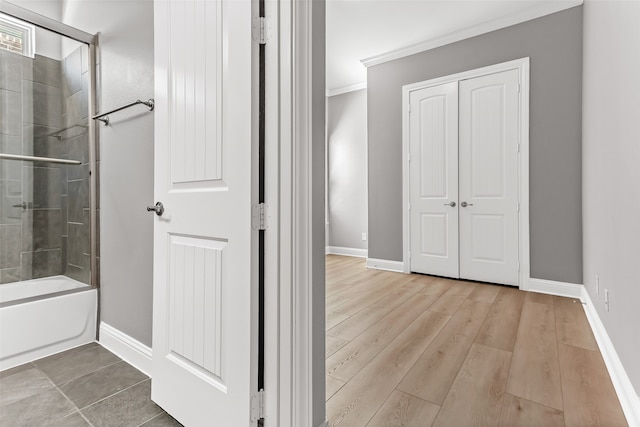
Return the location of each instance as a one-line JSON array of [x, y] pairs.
[[48, 203]]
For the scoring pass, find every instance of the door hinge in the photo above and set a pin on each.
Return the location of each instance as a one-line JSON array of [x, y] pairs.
[[261, 29], [518, 87], [518, 206], [518, 266], [518, 148], [409, 108], [257, 406], [260, 217]]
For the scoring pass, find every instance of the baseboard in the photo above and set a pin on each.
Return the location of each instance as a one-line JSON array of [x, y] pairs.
[[629, 399], [385, 264], [551, 287], [127, 348], [339, 250]]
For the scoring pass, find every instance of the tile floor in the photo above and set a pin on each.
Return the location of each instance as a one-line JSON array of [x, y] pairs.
[[84, 386]]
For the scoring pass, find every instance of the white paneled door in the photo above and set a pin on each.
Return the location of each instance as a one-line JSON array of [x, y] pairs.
[[433, 169], [203, 344], [463, 163], [489, 178]]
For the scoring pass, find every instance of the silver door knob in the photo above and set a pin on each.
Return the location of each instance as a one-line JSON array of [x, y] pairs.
[[465, 204], [158, 208], [452, 204]]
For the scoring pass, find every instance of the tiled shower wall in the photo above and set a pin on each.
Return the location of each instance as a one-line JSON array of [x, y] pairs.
[[49, 235], [75, 201]]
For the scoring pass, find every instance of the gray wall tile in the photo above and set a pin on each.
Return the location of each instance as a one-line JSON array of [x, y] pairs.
[[73, 73], [78, 243], [46, 263], [10, 71], [78, 273], [11, 107], [27, 68], [47, 71], [47, 229], [78, 200], [9, 275], [10, 238], [46, 191], [79, 148], [10, 195], [47, 104], [26, 263]]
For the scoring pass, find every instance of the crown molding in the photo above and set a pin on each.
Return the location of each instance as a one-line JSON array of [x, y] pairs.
[[476, 30], [346, 89]]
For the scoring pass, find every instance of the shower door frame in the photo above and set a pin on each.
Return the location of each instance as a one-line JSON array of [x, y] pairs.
[[91, 40]]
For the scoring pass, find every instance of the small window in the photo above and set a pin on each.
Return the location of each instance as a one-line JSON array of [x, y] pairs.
[[17, 36]]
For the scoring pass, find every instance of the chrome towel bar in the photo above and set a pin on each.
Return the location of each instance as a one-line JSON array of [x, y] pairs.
[[39, 159], [104, 117]]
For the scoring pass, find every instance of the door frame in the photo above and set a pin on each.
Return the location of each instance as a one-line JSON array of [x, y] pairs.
[[295, 196], [522, 65]]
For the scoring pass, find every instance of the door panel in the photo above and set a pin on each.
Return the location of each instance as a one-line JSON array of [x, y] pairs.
[[434, 180], [489, 178], [204, 355]]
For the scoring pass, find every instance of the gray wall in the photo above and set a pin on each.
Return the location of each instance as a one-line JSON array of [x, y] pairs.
[[125, 159], [347, 164], [611, 177], [554, 44]]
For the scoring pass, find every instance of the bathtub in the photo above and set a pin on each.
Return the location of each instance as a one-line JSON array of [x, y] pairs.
[[41, 317]]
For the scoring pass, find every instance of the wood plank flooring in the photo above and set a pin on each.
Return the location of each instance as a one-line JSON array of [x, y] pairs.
[[416, 350]]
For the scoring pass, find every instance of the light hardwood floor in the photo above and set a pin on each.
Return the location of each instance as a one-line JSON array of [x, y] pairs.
[[415, 350]]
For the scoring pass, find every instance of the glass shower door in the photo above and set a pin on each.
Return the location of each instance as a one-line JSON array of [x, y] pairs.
[[44, 204]]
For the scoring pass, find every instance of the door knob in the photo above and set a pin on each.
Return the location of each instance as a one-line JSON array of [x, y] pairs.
[[465, 204], [452, 204], [158, 208]]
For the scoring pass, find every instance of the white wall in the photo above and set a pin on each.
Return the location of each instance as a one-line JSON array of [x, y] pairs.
[[611, 171], [125, 159], [47, 43], [347, 168]]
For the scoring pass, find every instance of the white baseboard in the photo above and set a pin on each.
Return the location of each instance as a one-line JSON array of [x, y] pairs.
[[339, 250], [551, 287], [127, 348], [629, 399], [385, 264]]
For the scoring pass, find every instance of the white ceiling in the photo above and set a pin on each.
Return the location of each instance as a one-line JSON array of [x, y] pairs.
[[359, 29]]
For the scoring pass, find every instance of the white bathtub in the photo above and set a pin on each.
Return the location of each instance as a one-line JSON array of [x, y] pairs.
[[41, 317]]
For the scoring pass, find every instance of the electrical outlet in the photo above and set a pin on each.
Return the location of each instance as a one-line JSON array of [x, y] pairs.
[[364, 236], [597, 284], [606, 298]]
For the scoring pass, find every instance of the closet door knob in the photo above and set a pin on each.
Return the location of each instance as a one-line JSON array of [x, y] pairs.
[[452, 204], [465, 204]]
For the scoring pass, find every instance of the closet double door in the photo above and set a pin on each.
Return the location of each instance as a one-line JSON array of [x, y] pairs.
[[463, 166]]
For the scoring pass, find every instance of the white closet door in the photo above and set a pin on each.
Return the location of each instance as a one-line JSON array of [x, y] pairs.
[[204, 347], [434, 180], [489, 178]]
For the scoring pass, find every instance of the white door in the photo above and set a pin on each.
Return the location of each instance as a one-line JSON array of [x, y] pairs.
[[489, 178], [433, 169], [203, 334]]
